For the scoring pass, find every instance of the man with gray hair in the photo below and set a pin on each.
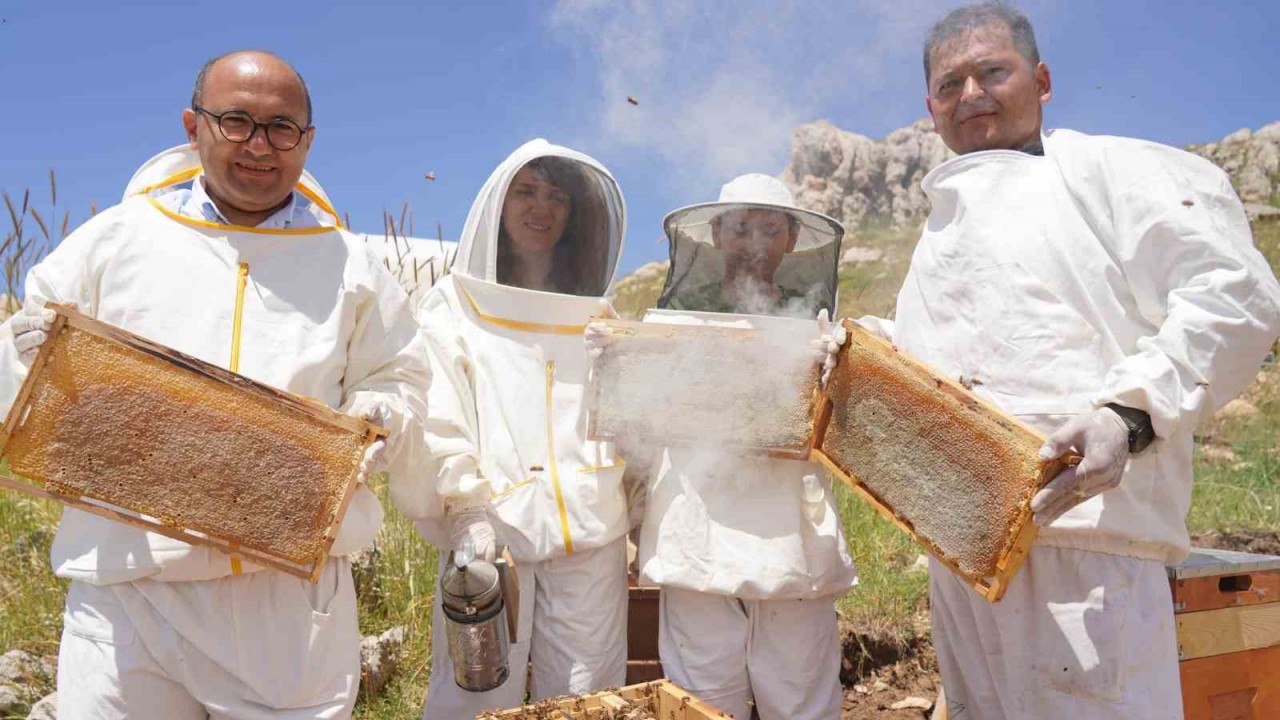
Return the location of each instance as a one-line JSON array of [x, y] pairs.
[[1103, 290]]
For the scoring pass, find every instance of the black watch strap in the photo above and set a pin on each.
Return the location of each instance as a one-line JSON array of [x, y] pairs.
[[1139, 423]]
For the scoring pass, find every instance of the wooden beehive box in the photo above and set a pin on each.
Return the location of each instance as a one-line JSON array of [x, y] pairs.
[[1227, 614], [643, 663], [113, 424], [658, 700]]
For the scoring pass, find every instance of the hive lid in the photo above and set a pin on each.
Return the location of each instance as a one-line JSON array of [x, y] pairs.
[[1206, 562]]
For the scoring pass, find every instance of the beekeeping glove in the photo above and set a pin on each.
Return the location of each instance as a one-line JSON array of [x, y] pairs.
[[1102, 437], [31, 328], [472, 525], [831, 337], [596, 334], [369, 408]]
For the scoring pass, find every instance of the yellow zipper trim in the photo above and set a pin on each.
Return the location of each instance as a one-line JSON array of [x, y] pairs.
[[512, 489], [171, 180], [239, 228], [547, 328], [189, 173], [242, 279], [315, 198], [617, 462], [237, 322], [551, 455]]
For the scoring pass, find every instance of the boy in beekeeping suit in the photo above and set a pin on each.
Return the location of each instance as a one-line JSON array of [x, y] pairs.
[[748, 550]]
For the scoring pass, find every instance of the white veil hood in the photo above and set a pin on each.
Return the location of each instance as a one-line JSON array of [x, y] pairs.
[[478, 246]]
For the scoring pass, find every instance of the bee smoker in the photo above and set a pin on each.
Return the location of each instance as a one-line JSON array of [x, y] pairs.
[[481, 603]]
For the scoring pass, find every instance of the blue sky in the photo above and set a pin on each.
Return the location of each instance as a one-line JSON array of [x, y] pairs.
[[402, 89]]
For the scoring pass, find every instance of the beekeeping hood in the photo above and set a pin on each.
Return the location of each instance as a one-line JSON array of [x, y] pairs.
[[179, 166], [588, 251], [803, 283]]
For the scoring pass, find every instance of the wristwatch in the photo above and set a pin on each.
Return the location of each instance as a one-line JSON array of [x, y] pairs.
[[1139, 423]]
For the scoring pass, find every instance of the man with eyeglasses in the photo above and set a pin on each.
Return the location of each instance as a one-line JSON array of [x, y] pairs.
[[225, 249]]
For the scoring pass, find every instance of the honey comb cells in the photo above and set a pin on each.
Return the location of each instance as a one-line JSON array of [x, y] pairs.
[[127, 428], [958, 472], [667, 383]]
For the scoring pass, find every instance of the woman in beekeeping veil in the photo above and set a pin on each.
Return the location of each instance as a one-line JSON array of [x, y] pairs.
[[507, 424]]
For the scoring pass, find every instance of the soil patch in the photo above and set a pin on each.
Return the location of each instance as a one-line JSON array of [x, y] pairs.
[[879, 669], [1261, 542]]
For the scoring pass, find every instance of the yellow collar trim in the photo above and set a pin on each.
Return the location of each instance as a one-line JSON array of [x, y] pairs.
[[238, 228], [532, 327], [190, 173]]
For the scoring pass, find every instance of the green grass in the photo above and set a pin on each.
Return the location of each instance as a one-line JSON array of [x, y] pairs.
[[889, 598], [400, 592]]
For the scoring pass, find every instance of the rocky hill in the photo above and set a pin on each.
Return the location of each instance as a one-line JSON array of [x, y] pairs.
[[858, 180], [1252, 158], [873, 187]]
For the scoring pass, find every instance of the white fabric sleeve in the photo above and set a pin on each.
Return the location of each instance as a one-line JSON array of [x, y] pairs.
[[877, 326], [1213, 303], [451, 426], [386, 366]]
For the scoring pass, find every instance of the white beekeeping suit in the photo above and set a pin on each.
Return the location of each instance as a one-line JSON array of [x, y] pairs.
[[1108, 270], [176, 630], [507, 430], [749, 550]]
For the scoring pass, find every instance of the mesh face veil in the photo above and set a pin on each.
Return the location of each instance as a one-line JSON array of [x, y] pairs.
[[752, 252], [525, 199]]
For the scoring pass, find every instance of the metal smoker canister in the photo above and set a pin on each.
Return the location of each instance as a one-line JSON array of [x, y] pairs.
[[475, 622]]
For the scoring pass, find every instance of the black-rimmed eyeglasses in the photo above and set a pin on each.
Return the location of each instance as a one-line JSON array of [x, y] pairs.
[[239, 126]]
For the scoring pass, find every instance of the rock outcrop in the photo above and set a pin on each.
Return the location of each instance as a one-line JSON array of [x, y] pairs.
[[855, 179], [1252, 159]]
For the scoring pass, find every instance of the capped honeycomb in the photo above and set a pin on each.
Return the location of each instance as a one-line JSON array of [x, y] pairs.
[[137, 430], [958, 472], [709, 386]]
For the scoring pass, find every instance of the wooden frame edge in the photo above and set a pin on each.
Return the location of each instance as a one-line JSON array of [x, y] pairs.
[[302, 571]]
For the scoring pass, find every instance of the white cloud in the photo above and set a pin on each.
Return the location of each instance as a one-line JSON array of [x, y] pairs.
[[720, 85]]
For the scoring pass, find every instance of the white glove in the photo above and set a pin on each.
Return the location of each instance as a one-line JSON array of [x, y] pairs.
[[831, 337], [30, 329], [596, 334], [372, 410], [814, 496], [472, 525], [1103, 439]]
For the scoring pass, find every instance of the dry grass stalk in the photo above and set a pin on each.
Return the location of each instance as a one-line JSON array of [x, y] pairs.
[[19, 251], [400, 261]]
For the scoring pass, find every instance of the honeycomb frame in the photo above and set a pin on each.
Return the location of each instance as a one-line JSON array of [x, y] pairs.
[[51, 428], [923, 412], [650, 344]]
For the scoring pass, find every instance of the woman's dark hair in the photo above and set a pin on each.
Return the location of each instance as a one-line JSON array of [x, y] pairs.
[[582, 255]]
